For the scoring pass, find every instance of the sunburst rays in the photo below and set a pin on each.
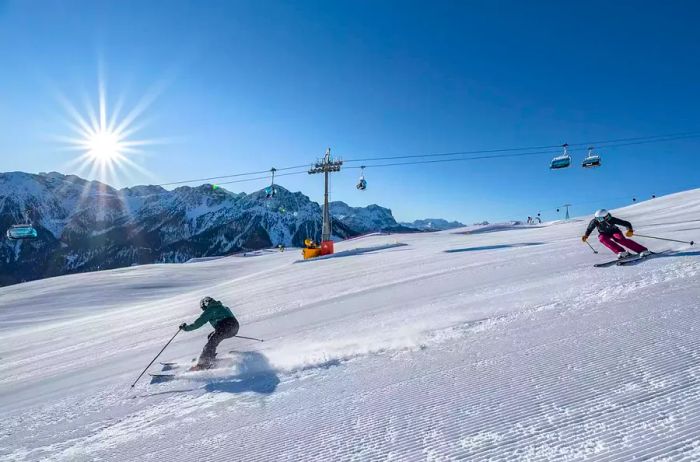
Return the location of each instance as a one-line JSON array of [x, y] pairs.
[[106, 140]]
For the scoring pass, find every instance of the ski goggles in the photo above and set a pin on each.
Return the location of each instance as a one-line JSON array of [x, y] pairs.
[[603, 218]]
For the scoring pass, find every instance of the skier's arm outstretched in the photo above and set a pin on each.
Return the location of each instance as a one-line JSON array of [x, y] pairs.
[[625, 223], [589, 230], [199, 322]]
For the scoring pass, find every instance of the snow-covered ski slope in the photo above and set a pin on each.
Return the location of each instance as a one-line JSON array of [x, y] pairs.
[[504, 345]]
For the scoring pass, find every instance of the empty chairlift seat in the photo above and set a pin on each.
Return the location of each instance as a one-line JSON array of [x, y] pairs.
[[561, 161], [362, 183], [17, 232], [591, 160]]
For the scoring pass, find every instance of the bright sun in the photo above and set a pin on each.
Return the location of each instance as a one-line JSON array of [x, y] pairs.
[[103, 145], [105, 138]]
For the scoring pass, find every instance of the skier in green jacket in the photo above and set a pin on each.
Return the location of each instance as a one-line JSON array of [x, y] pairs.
[[225, 326]]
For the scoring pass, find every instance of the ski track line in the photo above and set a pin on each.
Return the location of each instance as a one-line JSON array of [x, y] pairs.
[[481, 427], [572, 427], [579, 398]]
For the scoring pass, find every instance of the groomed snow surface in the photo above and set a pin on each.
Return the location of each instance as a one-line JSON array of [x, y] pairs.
[[502, 345]]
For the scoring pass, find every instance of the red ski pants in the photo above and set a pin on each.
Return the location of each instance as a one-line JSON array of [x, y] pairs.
[[617, 240]]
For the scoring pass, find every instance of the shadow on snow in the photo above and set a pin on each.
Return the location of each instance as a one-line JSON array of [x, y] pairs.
[[493, 247], [254, 374], [665, 254]]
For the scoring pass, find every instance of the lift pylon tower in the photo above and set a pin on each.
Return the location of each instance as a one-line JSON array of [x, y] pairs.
[[567, 210], [326, 166]]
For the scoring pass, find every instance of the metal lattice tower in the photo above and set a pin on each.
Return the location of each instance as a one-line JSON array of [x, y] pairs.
[[567, 210], [326, 166]]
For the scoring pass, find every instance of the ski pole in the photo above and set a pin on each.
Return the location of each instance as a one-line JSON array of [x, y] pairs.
[[664, 239], [154, 359], [589, 245], [250, 338]]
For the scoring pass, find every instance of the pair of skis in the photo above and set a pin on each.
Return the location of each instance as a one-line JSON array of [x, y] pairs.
[[627, 260], [172, 370]]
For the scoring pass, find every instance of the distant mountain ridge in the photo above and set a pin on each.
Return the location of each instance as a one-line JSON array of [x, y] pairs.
[[434, 224], [367, 219], [87, 225]]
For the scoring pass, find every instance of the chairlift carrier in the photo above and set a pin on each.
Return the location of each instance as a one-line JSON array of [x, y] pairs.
[[591, 160], [362, 183], [561, 161], [21, 231], [271, 191]]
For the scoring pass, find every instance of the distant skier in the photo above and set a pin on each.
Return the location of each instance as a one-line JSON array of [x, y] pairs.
[[611, 236], [225, 326]]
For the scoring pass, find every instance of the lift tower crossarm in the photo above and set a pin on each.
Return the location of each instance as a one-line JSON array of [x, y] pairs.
[[326, 165]]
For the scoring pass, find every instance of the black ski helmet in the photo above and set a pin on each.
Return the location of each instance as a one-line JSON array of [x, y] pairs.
[[205, 302]]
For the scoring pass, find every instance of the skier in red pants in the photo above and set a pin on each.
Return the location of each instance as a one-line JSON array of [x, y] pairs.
[[611, 236]]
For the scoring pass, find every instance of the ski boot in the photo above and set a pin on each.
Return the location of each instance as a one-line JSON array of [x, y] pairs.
[[199, 367]]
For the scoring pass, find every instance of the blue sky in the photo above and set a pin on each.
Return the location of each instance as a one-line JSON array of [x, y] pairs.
[[243, 86]]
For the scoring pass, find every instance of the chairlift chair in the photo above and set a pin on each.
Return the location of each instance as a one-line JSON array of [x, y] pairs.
[[271, 191], [23, 231], [591, 160], [562, 161], [362, 184]]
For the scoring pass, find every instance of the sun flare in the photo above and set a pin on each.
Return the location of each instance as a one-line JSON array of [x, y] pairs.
[[103, 146], [105, 138]]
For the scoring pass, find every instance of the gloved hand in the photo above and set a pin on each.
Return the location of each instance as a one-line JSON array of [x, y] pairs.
[[629, 233], [584, 238], [182, 326]]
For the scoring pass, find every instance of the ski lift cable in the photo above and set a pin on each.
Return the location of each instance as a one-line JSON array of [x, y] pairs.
[[506, 155], [266, 177], [599, 143], [233, 175], [506, 152], [497, 156], [436, 161]]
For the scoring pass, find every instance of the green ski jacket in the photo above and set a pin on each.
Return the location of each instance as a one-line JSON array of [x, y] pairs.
[[214, 313]]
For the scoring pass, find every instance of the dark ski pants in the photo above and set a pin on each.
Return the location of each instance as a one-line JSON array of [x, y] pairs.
[[226, 328], [615, 242]]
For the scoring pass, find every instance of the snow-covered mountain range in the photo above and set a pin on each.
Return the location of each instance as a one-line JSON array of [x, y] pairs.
[[367, 219], [433, 224], [87, 225]]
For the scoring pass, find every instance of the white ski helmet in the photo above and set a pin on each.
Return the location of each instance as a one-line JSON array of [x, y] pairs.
[[601, 214]]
